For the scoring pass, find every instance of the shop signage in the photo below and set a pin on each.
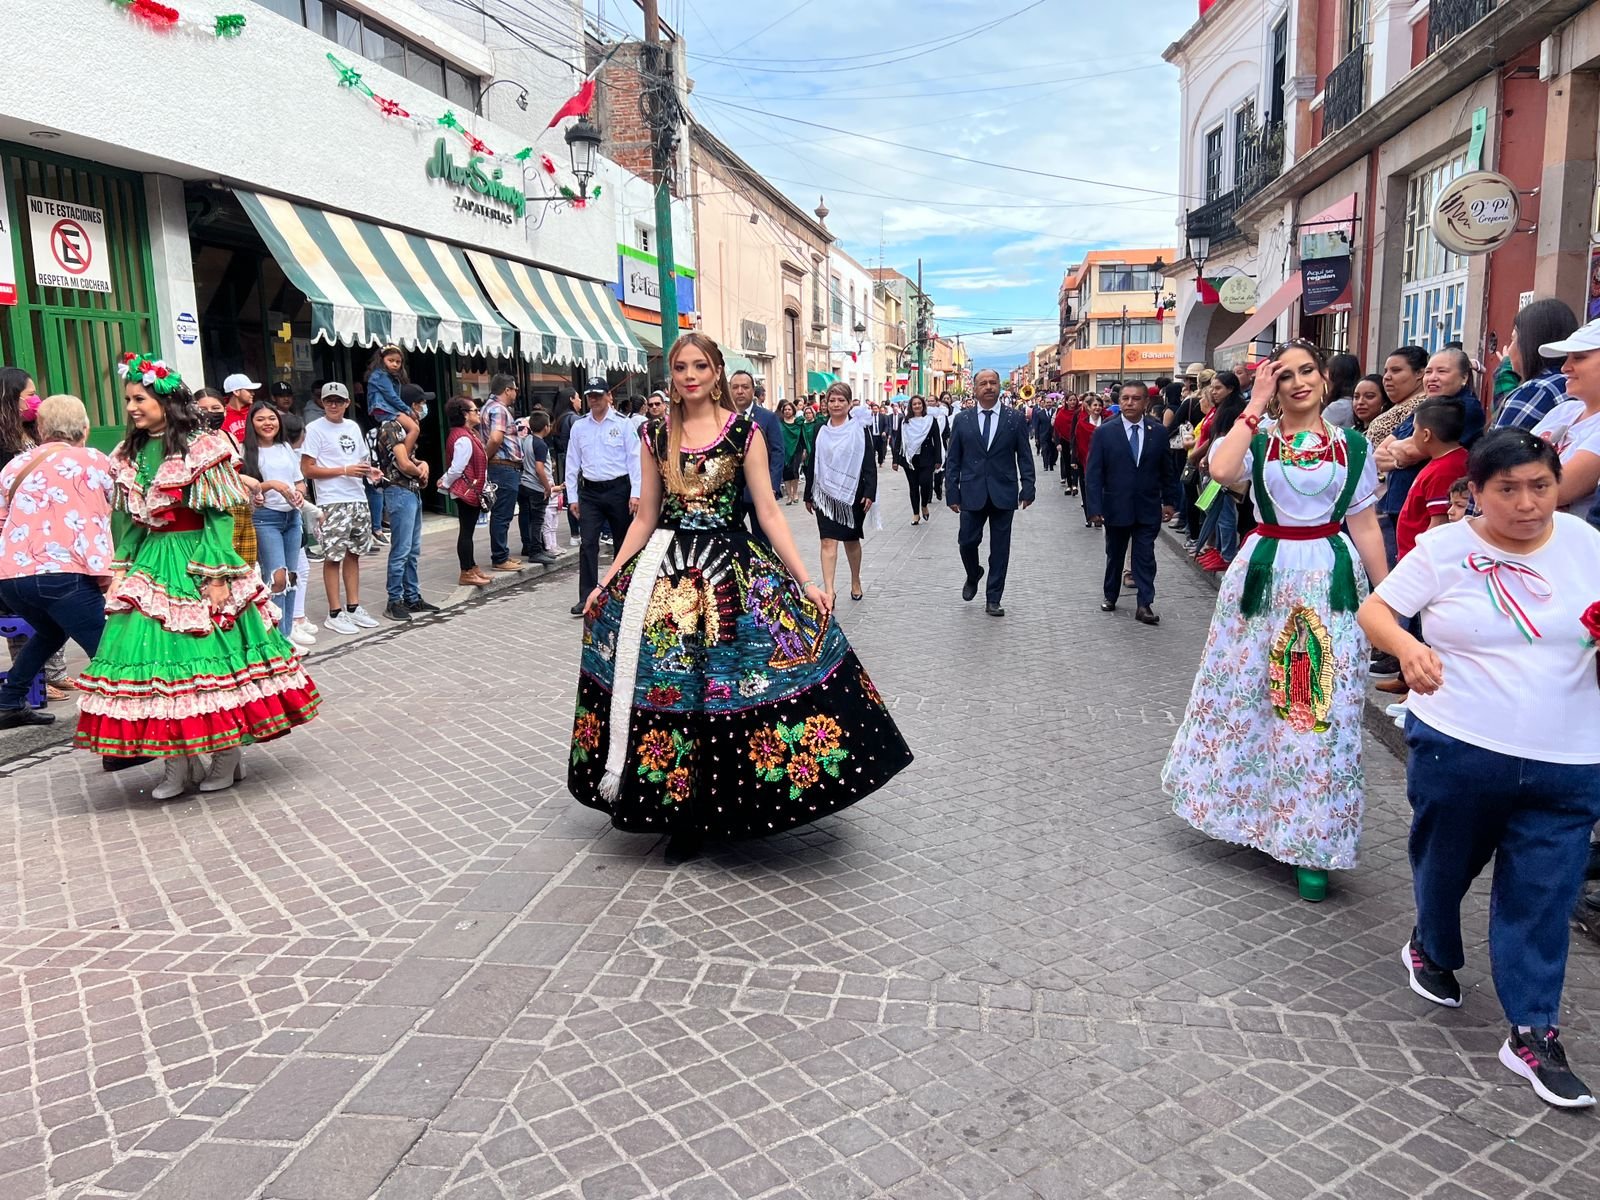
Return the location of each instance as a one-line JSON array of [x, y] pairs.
[[640, 285], [501, 201], [69, 245], [1476, 213], [8, 259], [1237, 293], [188, 329], [1324, 271], [753, 335]]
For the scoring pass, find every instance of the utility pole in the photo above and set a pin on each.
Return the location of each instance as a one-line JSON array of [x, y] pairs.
[[660, 97], [922, 317], [1122, 354]]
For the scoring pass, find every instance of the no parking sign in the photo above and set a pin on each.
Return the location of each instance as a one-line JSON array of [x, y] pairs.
[[69, 245]]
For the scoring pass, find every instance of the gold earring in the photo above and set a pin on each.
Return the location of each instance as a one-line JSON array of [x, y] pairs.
[[716, 394]]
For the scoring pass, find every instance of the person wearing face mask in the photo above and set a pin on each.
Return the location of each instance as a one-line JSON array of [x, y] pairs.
[[217, 417]]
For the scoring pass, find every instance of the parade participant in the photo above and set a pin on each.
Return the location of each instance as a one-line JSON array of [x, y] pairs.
[[602, 480], [1129, 487], [841, 487], [717, 699], [1065, 426], [405, 474], [55, 509], [277, 496], [742, 390], [1094, 414], [240, 393], [190, 664], [533, 498], [505, 468], [464, 480], [988, 476], [796, 443], [917, 447], [1543, 385], [336, 458], [1503, 727], [1284, 670]]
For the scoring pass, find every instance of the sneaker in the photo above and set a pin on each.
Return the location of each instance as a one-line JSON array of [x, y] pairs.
[[1428, 979], [301, 638], [314, 554], [1397, 710], [396, 611], [1383, 664], [380, 537], [343, 624], [362, 618], [1538, 1057], [543, 558], [419, 605], [303, 623]]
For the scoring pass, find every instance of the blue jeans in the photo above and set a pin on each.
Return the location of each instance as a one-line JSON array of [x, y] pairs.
[[278, 548], [375, 503], [1533, 818], [507, 479], [59, 606], [1221, 526], [405, 543]]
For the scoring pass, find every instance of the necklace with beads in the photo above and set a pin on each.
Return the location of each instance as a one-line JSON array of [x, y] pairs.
[[1305, 451]]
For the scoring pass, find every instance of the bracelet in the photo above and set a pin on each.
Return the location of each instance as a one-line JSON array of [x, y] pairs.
[[1251, 422]]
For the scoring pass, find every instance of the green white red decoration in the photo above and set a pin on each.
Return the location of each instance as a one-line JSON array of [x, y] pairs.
[[150, 371], [223, 25], [1533, 583]]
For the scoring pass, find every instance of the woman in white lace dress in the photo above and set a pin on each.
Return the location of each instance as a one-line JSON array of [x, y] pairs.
[[1269, 751]]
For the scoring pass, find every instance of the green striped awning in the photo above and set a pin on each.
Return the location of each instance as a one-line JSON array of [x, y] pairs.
[[563, 319], [369, 283]]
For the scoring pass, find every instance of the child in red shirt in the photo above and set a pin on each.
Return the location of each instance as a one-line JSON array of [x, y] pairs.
[[1438, 426]]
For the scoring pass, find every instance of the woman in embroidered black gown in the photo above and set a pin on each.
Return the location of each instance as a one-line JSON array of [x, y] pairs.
[[717, 698]]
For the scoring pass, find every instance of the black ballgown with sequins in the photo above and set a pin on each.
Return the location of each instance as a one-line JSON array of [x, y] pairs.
[[749, 712]]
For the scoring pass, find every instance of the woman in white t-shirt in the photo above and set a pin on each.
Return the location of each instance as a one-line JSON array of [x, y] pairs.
[[277, 496], [1573, 425], [1504, 729]]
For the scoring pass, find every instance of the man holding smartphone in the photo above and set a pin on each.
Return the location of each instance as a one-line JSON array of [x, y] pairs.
[[335, 456]]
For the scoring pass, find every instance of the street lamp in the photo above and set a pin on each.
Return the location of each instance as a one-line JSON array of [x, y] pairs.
[[1199, 250], [583, 143]]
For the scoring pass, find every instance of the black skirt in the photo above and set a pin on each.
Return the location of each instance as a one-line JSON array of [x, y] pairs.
[[832, 531]]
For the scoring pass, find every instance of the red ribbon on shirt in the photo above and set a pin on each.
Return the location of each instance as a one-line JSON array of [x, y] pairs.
[[1494, 572]]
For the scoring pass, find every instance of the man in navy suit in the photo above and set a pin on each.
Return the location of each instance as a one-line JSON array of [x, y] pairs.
[[988, 474], [1130, 487], [742, 391]]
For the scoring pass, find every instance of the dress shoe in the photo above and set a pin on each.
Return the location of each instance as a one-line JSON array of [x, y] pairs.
[[543, 558], [1108, 606], [682, 847], [994, 610], [15, 718], [510, 564], [1144, 616], [970, 588], [1392, 687]]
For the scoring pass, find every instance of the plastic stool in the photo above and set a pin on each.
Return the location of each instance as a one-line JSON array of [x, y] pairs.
[[13, 626]]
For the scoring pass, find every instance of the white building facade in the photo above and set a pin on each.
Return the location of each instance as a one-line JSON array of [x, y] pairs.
[[852, 347], [279, 201]]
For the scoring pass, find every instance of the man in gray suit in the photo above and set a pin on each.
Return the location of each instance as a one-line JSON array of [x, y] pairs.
[[988, 474]]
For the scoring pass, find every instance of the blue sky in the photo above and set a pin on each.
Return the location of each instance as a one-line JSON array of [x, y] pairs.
[[1066, 87]]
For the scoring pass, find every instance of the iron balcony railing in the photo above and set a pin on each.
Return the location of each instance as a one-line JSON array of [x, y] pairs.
[[1214, 219], [1345, 93], [1260, 158], [1447, 18]]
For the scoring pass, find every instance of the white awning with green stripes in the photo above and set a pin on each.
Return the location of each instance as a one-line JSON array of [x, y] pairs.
[[368, 283], [563, 319]]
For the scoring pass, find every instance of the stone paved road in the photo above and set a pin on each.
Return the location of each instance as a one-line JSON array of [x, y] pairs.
[[399, 962]]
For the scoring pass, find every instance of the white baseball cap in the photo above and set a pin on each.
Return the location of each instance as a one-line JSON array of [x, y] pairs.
[[334, 388], [240, 383], [1586, 338]]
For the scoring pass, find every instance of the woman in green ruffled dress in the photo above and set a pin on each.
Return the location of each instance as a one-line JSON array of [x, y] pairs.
[[191, 665]]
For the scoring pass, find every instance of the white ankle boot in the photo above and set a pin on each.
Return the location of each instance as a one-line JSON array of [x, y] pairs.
[[179, 771], [227, 768]]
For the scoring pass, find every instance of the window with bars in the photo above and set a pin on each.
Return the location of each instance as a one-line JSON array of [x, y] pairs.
[[1214, 140], [1433, 291], [384, 45]]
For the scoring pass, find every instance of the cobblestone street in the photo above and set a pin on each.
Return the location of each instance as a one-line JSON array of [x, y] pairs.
[[398, 961]]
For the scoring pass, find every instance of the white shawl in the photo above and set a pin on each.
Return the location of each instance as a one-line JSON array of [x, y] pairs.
[[913, 432], [839, 453]]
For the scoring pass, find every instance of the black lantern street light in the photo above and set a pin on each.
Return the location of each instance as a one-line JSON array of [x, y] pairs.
[[583, 143]]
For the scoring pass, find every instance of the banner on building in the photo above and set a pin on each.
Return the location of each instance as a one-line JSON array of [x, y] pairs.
[[1325, 258], [69, 245], [8, 258]]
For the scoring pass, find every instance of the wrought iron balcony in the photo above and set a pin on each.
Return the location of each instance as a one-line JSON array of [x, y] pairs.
[[1260, 158], [1214, 219], [1345, 93], [1447, 18]]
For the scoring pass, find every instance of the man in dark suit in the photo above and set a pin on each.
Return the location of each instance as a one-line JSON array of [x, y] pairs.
[[1039, 430], [742, 391], [988, 475], [883, 425], [1130, 487]]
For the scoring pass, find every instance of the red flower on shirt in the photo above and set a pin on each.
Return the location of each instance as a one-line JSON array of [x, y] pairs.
[[1591, 622]]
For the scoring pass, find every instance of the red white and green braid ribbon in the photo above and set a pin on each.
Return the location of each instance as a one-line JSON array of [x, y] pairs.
[[1495, 573], [222, 25]]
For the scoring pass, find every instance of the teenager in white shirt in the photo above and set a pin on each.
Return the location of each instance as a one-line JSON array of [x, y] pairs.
[[1504, 729], [335, 457]]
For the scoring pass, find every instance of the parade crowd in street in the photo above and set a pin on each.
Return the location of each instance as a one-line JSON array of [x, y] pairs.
[[1421, 525]]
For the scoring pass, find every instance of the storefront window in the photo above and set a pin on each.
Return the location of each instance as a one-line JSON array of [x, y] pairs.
[[1433, 293]]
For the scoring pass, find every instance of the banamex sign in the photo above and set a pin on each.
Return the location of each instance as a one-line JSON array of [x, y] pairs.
[[1476, 213]]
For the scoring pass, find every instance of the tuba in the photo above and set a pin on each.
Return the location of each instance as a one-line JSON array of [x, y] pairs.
[[1028, 392]]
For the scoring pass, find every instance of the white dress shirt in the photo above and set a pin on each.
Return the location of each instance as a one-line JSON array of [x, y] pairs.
[[994, 423], [1128, 428], [603, 450]]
